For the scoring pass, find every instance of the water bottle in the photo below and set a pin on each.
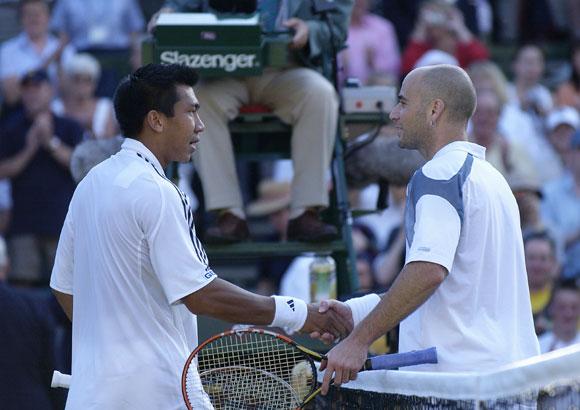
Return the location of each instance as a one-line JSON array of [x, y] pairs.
[[322, 278]]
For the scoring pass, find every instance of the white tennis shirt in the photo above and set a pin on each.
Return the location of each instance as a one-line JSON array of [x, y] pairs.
[[461, 214], [128, 254]]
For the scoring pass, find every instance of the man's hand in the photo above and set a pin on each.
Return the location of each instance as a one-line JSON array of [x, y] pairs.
[[301, 33], [329, 322], [339, 308], [44, 128], [344, 361]]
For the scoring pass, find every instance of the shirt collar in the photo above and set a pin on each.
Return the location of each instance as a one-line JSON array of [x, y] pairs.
[[131, 144], [474, 149]]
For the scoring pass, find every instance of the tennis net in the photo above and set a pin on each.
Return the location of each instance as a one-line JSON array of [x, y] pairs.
[[549, 381]]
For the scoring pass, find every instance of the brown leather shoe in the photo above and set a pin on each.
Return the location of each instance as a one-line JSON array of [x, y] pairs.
[[228, 229], [309, 228]]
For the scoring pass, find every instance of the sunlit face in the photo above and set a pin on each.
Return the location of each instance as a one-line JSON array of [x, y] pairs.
[[409, 115], [183, 129], [565, 310], [35, 18], [539, 262], [529, 65]]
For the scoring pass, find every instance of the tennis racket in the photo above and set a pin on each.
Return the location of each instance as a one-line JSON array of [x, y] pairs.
[[257, 369]]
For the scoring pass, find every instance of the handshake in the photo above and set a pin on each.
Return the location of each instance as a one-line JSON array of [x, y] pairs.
[[328, 321]]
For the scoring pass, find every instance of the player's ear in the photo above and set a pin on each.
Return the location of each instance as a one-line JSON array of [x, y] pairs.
[[436, 109], [155, 120]]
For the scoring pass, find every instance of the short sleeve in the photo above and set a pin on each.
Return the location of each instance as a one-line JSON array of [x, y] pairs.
[[436, 232], [177, 255], [62, 277]]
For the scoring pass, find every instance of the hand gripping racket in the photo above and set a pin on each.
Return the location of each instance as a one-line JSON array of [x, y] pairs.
[[257, 369]]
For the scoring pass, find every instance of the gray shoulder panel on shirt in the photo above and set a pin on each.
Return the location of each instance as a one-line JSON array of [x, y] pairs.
[[450, 189]]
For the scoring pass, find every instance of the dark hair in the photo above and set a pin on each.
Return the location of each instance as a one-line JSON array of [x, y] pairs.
[[563, 284], [151, 87], [541, 236], [518, 50]]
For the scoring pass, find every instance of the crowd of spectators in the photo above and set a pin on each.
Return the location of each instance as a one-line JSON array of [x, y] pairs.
[[57, 76]]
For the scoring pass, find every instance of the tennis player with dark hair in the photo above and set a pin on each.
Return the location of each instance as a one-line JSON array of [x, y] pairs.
[[463, 288], [130, 271]]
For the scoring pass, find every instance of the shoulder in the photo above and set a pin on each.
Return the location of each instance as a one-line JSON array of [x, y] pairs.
[[10, 44], [445, 166]]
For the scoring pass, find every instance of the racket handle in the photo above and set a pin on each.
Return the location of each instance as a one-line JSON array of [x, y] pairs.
[[394, 361], [60, 380]]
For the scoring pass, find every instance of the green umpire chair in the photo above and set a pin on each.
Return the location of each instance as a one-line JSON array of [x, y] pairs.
[[212, 49]]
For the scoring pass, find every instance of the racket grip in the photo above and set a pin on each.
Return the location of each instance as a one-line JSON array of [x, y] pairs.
[[394, 361], [60, 380]]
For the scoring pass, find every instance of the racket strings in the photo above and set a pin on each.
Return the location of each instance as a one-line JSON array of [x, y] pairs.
[[250, 370]]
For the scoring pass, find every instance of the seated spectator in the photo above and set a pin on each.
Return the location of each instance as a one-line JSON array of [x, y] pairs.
[[528, 193], [34, 48], [80, 76], [514, 124], [561, 124], [565, 311], [561, 209], [527, 92], [440, 26], [568, 92], [509, 158], [542, 269], [299, 96], [35, 154], [372, 49], [107, 29]]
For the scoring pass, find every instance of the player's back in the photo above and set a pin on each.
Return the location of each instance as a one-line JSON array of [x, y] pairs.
[[130, 342]]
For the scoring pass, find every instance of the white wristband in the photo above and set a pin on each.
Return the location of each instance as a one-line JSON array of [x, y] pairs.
[[290, 313], [361, 307]]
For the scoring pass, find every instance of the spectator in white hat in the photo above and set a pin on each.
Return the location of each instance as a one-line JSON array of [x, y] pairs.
[[561, 124]]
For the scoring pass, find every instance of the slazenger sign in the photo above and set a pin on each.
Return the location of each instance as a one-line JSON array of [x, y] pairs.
[[226, 62]]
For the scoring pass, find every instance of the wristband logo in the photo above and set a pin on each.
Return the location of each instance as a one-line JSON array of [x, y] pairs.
[[291, 304], [226, 62]]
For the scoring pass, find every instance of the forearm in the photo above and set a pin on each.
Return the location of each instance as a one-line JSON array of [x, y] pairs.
[[414, 285], [11, 90], [13, 166], [61, 153], [223, 300], [66, 303]]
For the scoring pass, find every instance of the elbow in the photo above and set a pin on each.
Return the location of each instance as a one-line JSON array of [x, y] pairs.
[[436, 277]]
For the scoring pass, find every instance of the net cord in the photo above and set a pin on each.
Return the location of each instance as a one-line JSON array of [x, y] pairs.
[[558, 367]]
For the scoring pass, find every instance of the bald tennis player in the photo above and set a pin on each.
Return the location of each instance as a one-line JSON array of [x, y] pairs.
[[463, 288]]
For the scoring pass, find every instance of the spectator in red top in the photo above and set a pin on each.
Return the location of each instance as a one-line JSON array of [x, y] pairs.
[[441, 26]]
